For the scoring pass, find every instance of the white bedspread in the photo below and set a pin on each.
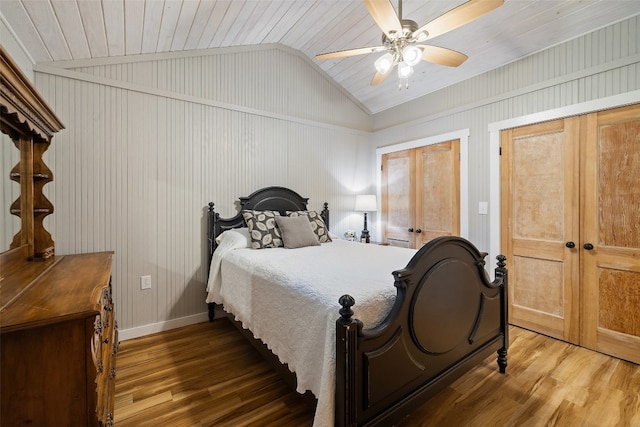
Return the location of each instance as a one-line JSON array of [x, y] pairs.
[[289, 299]]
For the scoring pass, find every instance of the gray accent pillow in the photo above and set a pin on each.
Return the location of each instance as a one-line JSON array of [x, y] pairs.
[[296, 232], [263, 229], [317, 224]]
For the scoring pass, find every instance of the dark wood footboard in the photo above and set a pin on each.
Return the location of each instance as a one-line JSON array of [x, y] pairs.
[[448, 317]]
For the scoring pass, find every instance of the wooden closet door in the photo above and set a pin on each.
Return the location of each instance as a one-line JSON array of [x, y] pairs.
[[540, 226], [611, 218], [421, 194], [437, 191], [398, 198]]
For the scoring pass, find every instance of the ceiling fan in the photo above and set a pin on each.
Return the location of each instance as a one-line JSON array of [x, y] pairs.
[[401, 38]]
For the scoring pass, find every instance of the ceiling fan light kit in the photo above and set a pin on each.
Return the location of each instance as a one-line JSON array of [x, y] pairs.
[[400, 38]]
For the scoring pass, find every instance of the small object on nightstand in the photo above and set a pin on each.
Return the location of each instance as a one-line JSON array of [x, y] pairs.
[[350, 235], [366, 203]]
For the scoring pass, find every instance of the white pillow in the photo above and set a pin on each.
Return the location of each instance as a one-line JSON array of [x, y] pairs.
[[234, 238]]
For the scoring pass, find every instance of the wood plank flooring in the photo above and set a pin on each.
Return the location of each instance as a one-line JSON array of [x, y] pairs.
[[208, 375]]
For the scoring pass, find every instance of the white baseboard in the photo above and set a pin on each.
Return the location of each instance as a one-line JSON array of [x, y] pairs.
[[140, 331]]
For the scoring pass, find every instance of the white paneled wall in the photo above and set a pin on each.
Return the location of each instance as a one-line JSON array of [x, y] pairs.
[[598, 65], [137, 165]]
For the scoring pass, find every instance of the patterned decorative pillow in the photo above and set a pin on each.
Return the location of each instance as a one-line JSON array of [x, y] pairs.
[[263, 229], [317, 224]]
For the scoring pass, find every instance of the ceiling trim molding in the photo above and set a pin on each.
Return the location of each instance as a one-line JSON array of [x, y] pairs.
[[17, 40], [145, 57]]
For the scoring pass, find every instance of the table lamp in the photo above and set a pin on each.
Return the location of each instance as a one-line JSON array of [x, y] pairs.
[[366, 203]]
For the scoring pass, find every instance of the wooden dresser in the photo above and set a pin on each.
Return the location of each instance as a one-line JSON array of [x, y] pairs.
[[58, 337], [58, 341]]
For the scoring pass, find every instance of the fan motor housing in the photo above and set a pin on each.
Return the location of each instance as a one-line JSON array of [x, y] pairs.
[[408, 27]]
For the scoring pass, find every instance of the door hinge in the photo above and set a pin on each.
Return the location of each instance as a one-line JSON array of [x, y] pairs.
[[500, 153]]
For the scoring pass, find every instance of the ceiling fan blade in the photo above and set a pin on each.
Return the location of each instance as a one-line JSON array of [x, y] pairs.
[[385, 16], [350, 52], [379, 77], [458, 17], [442, 55]]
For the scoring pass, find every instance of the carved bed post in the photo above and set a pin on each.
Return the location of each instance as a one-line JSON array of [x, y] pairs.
[[346, 342], [211, 242], [502, 274], [211, 220]]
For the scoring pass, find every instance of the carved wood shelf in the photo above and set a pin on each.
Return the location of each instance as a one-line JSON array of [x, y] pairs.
[[27, 119]]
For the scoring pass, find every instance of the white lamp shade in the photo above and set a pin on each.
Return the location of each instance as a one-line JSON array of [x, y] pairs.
[[384, 63], [421, 36], [404, 70], [412, 55], [366, 203]]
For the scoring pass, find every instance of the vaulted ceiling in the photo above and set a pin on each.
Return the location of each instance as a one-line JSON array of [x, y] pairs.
[[59, 30]]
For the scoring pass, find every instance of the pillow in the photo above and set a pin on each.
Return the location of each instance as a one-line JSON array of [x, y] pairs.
[[296, 232], [235, 237], [263, 229], [317, 224]]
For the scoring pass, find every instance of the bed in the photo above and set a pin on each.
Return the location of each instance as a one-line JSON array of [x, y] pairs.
[[427, 316]]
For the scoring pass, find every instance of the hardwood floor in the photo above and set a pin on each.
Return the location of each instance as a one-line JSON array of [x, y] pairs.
[[208, 375]]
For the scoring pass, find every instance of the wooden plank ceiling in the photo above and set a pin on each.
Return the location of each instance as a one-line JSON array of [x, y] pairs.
[[59, 30]]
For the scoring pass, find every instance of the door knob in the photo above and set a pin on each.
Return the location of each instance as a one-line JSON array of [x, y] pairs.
[[410, 230], [588, 246], [570, 245], [418, 231]]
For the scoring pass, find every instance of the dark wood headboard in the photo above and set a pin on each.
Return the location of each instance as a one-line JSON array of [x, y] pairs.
[[269, 198]]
